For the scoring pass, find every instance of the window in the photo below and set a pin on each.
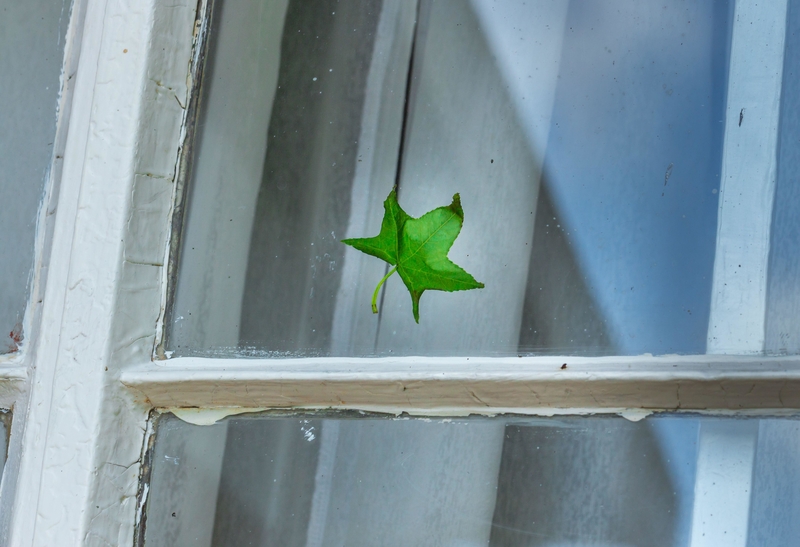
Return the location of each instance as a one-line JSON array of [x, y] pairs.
[[35, 54], [33, 37], [587, 160], [130, 148]]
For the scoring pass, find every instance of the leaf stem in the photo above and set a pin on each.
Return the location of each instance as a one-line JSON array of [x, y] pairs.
[[378, 288]]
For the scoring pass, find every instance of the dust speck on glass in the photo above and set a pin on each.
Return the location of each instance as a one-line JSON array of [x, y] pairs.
[[585, 141], [31, 52]]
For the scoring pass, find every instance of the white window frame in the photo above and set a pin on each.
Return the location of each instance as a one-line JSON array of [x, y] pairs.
[[83, 389]]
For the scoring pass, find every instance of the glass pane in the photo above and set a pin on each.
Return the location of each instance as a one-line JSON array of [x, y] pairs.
[[584, 138], [783, 304], [5, 431], [31, 51], [332, 480]]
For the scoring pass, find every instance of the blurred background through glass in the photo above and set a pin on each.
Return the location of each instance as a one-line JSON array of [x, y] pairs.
[[585, 139], [32, 36], [356, 480]]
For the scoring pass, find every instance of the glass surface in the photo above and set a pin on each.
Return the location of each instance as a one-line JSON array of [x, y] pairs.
[[585, 140], [783, 301], [31, 53], [335, 480], [5, 430]]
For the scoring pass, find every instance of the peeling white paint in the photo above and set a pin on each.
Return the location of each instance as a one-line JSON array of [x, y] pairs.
[[635, 414], [208, 416], [83, 434]]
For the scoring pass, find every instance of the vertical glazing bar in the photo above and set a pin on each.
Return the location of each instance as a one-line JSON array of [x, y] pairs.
[[738, 302], [724, 475], [187, 467], [375, 171], [323, 484], [747, 188], [229, 146]]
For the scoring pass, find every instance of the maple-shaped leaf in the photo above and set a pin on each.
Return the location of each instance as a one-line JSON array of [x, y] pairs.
[[417, 248]]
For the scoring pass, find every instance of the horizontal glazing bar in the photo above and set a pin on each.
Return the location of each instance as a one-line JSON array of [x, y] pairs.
[[463, 385]]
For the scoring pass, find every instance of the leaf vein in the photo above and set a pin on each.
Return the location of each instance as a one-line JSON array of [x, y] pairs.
[[429, 237]]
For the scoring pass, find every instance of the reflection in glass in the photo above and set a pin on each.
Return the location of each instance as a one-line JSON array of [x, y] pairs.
[[783, 301], [32, 44], [5, 430], [585, 140], [352, 480]]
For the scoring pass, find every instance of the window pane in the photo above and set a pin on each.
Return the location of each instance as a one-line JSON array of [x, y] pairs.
[[5, 431], [325, 480], [783, 305], [31, 45], [585, 141]]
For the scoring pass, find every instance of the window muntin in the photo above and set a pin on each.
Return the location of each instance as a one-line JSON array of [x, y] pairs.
[[32, 39], [592, 217]]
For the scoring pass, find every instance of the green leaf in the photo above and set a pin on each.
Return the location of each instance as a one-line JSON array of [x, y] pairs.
[[417, 248]]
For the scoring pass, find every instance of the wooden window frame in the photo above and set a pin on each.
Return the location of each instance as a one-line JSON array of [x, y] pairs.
[[83, 389]]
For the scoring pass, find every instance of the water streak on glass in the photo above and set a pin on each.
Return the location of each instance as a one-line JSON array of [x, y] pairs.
[[584, 138], [32, 35]]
